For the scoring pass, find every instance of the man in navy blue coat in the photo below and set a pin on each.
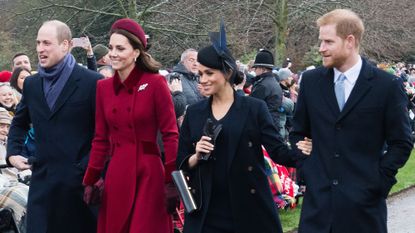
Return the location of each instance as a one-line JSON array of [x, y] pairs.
[[59, 101], [357, 118]]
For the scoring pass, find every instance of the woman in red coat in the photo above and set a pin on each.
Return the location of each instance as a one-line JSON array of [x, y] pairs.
[[131, 108]]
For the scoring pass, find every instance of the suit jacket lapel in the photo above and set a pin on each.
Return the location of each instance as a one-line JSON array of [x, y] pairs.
[[70, 86], [236, 126], [359, 90], [327, 91]]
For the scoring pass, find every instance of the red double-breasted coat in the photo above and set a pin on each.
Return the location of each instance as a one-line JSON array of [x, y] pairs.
[[128, 117]]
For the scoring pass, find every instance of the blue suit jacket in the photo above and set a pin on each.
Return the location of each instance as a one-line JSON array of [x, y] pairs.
[[63, 141], [348, 175], [253, 208]]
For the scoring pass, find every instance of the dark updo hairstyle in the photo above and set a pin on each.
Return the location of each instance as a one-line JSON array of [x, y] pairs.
[[15, 76]]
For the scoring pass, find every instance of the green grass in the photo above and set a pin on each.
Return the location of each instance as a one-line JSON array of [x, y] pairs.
[[405, 177]]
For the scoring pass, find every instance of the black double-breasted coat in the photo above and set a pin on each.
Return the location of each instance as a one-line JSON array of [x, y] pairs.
[[253, 209]]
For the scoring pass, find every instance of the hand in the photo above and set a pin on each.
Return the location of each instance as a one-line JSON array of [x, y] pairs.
[[19, 162], [87, 46], [176, 85], [172, 198], [305, 146], [204, 146], [93, 193]]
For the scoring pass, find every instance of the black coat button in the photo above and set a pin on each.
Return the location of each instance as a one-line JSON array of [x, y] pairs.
[[335, 182], [250, 168]]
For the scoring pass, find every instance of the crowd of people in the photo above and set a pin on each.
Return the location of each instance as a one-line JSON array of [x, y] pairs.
[[97, 144]]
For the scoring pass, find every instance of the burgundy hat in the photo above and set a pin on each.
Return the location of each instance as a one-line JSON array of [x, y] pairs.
[[132, 27]]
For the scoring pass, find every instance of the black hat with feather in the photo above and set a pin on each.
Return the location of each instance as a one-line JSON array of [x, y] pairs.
[[217, 55]]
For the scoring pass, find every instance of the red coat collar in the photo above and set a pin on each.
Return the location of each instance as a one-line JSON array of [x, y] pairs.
[[130, 82]]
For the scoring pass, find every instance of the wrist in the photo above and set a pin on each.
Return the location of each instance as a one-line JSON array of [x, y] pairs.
[[89, 55]]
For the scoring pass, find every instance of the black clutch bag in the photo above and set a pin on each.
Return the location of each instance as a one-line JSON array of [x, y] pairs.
[[181, 182]]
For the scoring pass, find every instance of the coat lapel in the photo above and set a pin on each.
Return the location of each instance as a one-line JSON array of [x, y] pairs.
[[41, 96], [327, 91], [359, 90], [236, 126], [70, 86]]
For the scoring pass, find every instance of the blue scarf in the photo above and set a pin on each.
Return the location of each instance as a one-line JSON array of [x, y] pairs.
[[55, 78]]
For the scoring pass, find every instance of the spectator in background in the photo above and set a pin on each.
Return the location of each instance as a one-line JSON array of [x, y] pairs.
[[16, 81], [13, 193], [21, 60], [8, 98], [187, 68], [287, 106], [18, 77], [266, 86], [101, 53]]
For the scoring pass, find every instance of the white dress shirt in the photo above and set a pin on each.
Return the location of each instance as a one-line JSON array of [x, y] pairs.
[[351, 76]]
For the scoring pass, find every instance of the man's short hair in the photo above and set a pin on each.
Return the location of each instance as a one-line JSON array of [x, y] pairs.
[[347, 23], [185, 53], [18, 55], [62, 30]]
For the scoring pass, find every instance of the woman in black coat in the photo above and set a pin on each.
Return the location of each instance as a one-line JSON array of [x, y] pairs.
[[227, 169]]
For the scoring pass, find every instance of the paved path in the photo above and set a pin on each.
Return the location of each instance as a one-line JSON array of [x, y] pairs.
[[401, 212]]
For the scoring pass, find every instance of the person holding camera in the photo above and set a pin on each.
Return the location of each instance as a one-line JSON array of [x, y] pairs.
[[220, 149]]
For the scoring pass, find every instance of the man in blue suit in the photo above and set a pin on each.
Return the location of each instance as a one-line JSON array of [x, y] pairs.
[[59, 101], [351, 110]]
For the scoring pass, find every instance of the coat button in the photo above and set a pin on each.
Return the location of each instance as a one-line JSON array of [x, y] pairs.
[[117, 144], [128, 109], [114, 110], [130, 91], [130, 126], [335, 182], [115, 128], [253, 191], [249, 144], [338, 126], [337, 155], [250, 168]]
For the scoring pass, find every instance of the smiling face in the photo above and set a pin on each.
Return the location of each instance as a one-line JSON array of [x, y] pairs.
[[212, 81], [6, 96], [50, 50], [122, 53]]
